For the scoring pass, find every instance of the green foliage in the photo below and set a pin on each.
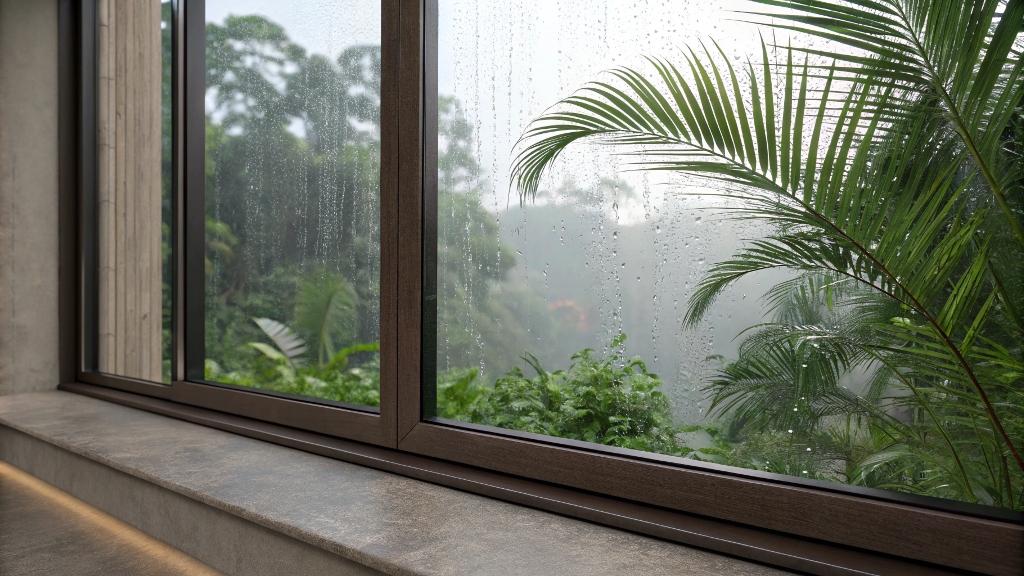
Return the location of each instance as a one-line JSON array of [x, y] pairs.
[[274, 371], [325, 309], [288, 345], [612, 400], [900, 176], [460, 394], [280, 367]]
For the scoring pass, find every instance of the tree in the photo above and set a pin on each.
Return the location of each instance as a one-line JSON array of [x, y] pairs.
[[293, 216], [292, 180]]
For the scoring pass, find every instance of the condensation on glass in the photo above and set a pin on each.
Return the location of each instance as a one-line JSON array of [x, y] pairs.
[[564, 313], [133, 187], [293, 197]]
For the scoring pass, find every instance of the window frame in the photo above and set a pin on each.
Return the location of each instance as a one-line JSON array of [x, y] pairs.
[[188, 89], [930, 534]]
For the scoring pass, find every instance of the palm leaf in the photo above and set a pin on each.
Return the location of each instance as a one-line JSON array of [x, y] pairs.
[[289, 345], [965, 54], [875, 210], [325, 309]]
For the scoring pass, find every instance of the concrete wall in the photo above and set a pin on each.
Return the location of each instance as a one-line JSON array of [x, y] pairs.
[[28, 195]]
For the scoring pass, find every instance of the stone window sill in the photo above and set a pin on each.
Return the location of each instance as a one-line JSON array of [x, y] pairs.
[[370, 518]]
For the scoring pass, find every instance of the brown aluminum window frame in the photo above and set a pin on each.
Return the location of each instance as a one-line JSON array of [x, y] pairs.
[[633, 490]]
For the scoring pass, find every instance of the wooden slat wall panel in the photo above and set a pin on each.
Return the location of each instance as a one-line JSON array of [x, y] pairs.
[[129, 191]]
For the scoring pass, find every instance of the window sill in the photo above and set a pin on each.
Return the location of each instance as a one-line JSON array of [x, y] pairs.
[[383, 521]]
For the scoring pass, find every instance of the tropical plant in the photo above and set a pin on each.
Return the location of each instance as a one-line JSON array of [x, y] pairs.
[[281, 367], [287, 345], [612, 400], [325, 309], [847, 424], [887, 162]]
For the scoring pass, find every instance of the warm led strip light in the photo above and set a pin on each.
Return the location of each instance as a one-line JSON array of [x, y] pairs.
[[144, 545]]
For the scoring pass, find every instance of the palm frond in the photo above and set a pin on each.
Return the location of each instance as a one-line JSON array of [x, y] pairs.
[[703, 123], [904, 136], [289, 345], [964, 54], [325, 309]]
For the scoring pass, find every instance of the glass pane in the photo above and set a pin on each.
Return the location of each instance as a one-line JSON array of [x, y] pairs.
[[132, 267], [293, 197], [653, 234]]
